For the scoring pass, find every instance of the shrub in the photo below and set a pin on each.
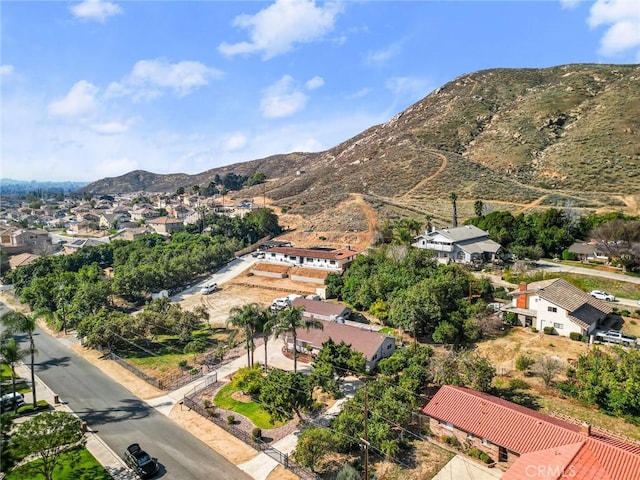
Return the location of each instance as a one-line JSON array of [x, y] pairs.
[[485, 458], [625, 313], [182, 364], [523, 362], [549, 330], [518, 384], [577, 336], [451, 440], [256, 434], [28, 408], [511, 318], [534, 329], [231, 419]]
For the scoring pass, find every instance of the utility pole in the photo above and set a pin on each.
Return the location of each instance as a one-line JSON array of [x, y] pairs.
[[365, 440]]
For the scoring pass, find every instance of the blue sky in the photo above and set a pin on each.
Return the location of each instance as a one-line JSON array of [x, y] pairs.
[[97, 89]]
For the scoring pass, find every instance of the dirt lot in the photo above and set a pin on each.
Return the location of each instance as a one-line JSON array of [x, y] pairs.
[[503, 351]]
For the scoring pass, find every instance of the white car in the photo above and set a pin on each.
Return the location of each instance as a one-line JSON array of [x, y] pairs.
[[600, 295], [209, 288]]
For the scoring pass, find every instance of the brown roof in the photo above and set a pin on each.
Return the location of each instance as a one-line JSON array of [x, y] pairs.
[[365, 341], [164, 220], [318, 307], [21, 259], [312, 252], [534, 435]]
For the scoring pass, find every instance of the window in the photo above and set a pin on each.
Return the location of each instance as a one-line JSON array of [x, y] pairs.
[[559, 326], [552, 309], [447, 425], [470, 436], [486, 442], [389, 346], [332, 262]]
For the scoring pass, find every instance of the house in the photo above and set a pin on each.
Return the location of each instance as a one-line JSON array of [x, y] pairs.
[[466, 244], [373, 345], [588, 252], [527, 443], [558, 304], [322, 310], [328, 259], [166, 225], [21, 259]]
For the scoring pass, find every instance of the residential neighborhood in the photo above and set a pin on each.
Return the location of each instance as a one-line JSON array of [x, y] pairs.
[[313, 314]]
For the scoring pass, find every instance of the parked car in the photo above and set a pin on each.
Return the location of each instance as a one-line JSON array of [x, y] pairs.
[[209, 288], [280, 303], [600, 295], [140, 461], [8, 401]]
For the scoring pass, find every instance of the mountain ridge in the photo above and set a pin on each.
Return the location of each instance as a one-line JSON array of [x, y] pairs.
[[516, 139]]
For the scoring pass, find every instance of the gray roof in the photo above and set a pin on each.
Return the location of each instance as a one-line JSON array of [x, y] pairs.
[[317, 307], [459, 234], [571, 298], [480, 247], [364, 341]]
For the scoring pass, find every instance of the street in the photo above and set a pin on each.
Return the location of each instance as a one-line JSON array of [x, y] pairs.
[[121, 419]]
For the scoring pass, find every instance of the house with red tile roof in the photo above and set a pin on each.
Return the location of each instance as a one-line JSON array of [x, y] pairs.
[[529, 444], [311, 257], [558, 304], [373, 345]]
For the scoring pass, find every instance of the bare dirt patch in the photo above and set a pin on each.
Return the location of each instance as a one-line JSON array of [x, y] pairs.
[[504, 350], [271, 267]]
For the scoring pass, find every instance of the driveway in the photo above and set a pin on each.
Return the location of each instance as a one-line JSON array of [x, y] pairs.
[[461, 468]]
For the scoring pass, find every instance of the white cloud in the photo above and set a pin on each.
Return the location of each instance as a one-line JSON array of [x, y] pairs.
[[6, 70], [383, 56], [234, 142], [79, 102], [315, 82], [95, 10], [623, 20], [110, 128], [570, 4], [363, 92], [148, 78], [276, 29], [282, 99], [408, 87]]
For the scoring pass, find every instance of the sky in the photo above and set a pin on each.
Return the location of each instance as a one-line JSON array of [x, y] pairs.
[[94, 89]]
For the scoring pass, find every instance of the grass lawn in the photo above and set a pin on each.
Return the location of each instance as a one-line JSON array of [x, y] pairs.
[[252, 410], [70, 467]]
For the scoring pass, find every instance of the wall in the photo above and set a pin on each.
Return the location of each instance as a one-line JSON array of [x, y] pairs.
[[548, 319]]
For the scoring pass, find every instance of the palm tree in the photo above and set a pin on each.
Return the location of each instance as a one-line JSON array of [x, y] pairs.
[[268, 322], [10, 354], [17, 322], [247, 318], [223, 192], [454, 199], [288, 321]]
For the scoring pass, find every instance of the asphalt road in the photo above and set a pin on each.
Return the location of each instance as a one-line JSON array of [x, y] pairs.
[[120, 418]]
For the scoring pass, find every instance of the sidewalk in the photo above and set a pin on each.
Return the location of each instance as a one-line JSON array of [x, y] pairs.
[[102, 453]]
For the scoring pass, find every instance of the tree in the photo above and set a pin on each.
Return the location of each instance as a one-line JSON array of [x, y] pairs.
[[313, 444], [454, 198], [268, 321], [17, 322], [47, 435], [288, 321], [11, 354], [284, 393], [547, 368], [247, 318], [478, 208], [347, 472]]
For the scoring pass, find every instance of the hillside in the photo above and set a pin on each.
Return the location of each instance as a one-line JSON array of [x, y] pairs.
[[517, 139]]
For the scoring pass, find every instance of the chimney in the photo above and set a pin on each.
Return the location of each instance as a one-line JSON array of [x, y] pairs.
[[585, 429], [523, 286]]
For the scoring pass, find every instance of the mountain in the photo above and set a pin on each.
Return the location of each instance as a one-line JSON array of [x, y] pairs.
[[516, 139]]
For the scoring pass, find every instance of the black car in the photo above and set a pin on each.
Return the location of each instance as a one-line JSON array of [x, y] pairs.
[[140, 461]]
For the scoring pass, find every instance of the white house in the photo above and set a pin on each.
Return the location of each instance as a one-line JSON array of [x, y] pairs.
[[311, 257], [466, 244], [558, 304]]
